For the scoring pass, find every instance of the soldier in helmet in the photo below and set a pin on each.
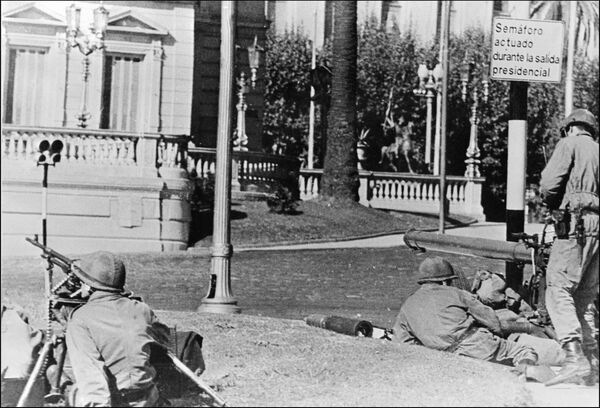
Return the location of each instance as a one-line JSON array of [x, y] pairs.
[[109, 339], [569, 187], [443, 317]]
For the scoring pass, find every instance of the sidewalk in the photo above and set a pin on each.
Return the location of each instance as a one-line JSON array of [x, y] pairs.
[[489, 230]]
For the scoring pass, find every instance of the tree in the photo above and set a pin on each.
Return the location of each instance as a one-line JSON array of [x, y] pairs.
[[582, 30], [340, 174], [586, 33]]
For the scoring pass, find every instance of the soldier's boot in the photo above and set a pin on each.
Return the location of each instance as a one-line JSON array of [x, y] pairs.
[[592, 356], [575, 366]]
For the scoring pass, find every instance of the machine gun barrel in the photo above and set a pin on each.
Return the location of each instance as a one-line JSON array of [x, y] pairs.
[[64, 262], [487, 248]]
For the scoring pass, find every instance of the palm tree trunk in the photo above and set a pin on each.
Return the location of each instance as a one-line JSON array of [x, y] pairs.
[[570, 55], [340, 174]]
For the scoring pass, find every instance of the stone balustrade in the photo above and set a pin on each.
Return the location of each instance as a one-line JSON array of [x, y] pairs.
[[95, 147], [407, 192], [251, 168], [111, 190], [131, 190]]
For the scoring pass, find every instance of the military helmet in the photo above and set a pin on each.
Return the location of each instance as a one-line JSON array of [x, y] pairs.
[[435, 269], [103, 271], [581, 117]]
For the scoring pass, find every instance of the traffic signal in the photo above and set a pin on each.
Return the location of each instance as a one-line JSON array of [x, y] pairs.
[[49, 153]]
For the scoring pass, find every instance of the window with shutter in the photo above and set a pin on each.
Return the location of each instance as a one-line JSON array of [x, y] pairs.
[[24, 86], [120, 92]]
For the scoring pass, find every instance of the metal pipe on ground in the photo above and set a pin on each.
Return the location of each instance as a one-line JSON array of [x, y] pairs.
[[486, 248]]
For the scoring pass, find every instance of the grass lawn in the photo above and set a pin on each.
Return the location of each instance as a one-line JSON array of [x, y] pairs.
[[253, 225]]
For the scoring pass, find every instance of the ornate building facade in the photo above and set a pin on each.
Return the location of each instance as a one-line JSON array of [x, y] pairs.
[[120, 113]]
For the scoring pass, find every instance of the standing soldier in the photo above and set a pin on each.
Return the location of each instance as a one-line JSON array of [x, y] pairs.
[[569, 187]]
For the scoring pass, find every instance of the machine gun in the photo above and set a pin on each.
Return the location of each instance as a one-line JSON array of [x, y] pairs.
[[533, 290], [62, 298]]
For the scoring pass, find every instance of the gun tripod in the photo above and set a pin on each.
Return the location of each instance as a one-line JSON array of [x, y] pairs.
[[55, 396]]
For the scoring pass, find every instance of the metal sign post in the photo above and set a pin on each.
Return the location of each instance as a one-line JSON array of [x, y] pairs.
[[445, 32], [522, 51]]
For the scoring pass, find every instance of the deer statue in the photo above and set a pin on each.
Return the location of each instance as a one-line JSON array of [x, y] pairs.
[[402, 144]]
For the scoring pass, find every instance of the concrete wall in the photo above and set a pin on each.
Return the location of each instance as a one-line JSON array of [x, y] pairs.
[[119, 214], [94, 202]]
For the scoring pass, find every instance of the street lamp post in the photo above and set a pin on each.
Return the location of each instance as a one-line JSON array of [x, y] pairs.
[[429, 86], [87, 43], [473, 153], [240, 140], [220, 297]]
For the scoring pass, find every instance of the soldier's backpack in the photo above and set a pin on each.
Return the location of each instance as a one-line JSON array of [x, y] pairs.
[[187, 346]]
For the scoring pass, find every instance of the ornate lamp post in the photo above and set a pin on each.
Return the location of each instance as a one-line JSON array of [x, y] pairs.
[[86, 43], [240, 138], [429, 85], [473, 152]]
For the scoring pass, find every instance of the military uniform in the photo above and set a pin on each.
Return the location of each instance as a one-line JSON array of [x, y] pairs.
[[570, 182], [109, 342], [451, 319], [109, 339]]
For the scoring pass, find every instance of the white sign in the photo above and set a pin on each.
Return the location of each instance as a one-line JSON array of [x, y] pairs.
[[526, 50]]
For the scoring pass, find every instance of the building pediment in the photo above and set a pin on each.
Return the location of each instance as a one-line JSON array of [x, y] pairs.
[[132, 22], [33, 13]]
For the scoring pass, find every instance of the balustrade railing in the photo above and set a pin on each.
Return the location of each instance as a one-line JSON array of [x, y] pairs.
[[252, 167], [399, 191], [406, 192], [95, 147]]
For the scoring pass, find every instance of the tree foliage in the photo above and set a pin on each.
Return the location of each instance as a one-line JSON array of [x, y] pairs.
[[287, 92], [391, 59]]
